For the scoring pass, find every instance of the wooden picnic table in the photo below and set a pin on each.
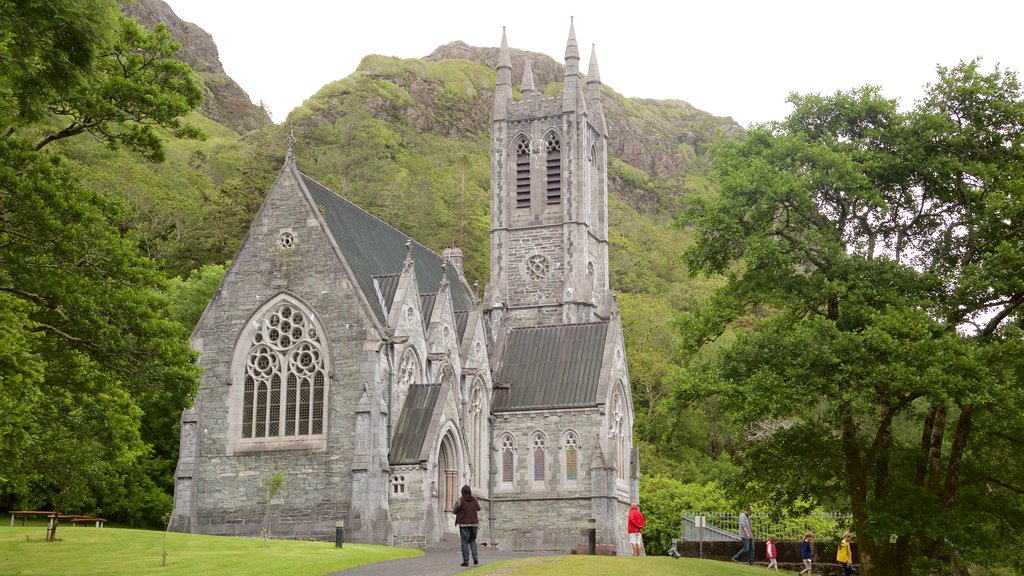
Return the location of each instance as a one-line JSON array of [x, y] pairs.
[[73, 518]]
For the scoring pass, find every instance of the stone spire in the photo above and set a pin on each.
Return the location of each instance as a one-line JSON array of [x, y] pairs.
[[503, 88], [594, 92], [571, 86], [527, 86], [593, 74], [572, 52]]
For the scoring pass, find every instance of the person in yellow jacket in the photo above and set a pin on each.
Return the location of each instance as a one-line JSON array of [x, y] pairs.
[[844, 556]]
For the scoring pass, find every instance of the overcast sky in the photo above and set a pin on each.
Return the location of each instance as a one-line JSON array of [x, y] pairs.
[[730, 58]]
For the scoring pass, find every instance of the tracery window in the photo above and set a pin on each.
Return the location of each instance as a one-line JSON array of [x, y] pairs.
[[507, 448], [284, 376], [619, 433], [553, 176], [477, 432], [537, 443], [398, 484], [522, 149], [572, 451], [408, 369]]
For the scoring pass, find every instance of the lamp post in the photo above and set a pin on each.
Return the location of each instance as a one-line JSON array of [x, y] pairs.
[[592, 536]]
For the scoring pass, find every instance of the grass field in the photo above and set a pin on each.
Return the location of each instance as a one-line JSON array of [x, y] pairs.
[[117, 551], [614, 566], [122, 552]]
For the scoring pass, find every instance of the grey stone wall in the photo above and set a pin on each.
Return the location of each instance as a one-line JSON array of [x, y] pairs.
[[552, 515], [230, 487]]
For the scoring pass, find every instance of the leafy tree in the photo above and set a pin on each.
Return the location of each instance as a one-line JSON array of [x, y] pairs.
[[21, 374], [878, 255], [129, 87], [275, 483], [103, 370], [190, 296], [47, 49], [664, 498]]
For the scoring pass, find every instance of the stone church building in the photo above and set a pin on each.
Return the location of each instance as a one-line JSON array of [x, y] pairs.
[[361, 365]]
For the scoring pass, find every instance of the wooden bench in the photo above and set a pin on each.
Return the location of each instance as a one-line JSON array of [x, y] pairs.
[[25, 514], [85, 520], [73, 518]]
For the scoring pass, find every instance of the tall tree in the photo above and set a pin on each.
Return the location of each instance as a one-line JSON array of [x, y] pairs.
[[101, 371], [884, 251]]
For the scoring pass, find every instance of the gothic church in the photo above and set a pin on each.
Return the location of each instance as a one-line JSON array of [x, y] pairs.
[[360, 364]]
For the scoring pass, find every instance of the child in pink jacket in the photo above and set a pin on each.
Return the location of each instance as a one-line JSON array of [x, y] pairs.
[[772, 553]]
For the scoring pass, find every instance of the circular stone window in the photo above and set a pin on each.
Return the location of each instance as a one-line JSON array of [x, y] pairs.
[[286, 240], [537, 267]]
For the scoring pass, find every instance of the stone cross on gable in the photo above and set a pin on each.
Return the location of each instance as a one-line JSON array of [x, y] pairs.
[[290, 141]]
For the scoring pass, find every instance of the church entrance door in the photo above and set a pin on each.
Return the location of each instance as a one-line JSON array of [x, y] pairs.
[[448, 482]]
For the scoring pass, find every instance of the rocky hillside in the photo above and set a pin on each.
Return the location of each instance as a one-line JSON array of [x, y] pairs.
[[225, 101], [660, 138]]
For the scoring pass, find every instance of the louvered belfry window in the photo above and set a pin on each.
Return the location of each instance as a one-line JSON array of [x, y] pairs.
[[285, 348], [522, 172], [553, 176]]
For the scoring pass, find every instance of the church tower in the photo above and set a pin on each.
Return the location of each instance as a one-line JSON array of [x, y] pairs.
[[549, 199]]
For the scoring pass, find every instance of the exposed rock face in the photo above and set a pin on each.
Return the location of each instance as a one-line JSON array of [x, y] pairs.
[[545, 69], [224, 100], [662, 141]]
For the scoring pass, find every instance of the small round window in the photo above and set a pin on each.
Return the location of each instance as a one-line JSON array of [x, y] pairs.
[[286, 240], [537, 267]]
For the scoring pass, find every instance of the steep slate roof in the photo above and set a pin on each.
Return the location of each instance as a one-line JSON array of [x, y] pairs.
[[387, 285], [427, 302], [411, 430], [550, 367], [373, 248], [461, 319]]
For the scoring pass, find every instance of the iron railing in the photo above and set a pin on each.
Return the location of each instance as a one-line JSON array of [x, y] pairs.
[[724, 526]]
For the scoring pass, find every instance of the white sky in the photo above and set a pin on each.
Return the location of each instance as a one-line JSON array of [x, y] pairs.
[[728, 57]]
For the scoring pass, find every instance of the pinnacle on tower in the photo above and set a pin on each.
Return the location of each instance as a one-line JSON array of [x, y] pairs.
[[593, 74], [503, 88], [572, 52], [527, 86]]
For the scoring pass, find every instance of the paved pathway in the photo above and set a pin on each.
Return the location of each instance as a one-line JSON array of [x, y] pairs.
[[434, 562]]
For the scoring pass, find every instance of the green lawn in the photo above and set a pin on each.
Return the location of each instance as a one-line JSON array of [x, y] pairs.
[[615, 566], [116, 551]]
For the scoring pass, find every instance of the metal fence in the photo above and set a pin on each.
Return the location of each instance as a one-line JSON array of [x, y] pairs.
[[721, 526]]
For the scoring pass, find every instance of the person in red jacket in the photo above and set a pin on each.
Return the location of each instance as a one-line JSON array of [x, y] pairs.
[[634, 526]]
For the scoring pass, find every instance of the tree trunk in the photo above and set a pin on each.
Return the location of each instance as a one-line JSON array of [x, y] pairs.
[[935, 452], [956, 454]]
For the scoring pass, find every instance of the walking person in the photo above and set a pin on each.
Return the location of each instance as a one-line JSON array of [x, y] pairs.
[[772, 553], [746, 534], [467, 518], [634, 526], [844, 555], [807, 552]]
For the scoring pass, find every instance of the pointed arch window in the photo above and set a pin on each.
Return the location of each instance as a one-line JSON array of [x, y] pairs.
[[538, 457], [553, 175], [284, 376], [409, 369], [619, 433], [522, 148], [478, 432], [507, 447], [572, 457]]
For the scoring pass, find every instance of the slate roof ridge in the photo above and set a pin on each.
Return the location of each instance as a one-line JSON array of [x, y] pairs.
[[563, 325]]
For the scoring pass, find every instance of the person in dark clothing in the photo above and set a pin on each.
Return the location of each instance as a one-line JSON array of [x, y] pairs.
[[468, 521]]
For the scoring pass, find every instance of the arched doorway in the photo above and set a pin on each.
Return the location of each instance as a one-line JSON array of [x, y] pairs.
[[447, 480]]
